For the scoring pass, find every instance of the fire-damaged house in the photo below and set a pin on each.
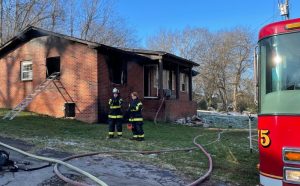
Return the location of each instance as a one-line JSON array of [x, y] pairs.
[[61, 76]]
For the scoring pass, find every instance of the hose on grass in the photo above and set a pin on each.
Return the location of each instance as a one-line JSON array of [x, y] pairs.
[[61, 176], [158, 110], [196, 182], [100, 182], [210, 164]]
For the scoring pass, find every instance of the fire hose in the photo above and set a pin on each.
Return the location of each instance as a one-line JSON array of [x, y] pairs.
[[100, 182], [196, 182], [158, 110], [55, 161]]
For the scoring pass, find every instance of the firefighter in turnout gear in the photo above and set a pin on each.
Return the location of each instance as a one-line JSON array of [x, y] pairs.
[[115, 116], [135, 117]]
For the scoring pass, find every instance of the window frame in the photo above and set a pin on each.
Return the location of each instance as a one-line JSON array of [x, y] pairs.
[[30, 76], [183, 81]]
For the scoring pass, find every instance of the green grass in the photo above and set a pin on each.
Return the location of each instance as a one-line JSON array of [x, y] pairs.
[[232, 161]]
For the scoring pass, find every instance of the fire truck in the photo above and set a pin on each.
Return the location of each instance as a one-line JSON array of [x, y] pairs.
[[278, 75]]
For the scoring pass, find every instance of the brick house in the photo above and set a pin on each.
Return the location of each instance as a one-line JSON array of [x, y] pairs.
[[88, 73]]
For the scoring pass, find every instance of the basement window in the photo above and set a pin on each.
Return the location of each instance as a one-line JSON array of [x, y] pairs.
[[70, 110], [26, 71]]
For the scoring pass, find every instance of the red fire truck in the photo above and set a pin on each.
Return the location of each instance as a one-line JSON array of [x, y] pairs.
[[278, 69]]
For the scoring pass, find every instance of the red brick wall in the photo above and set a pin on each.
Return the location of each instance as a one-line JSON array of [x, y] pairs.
[[170, 110], [78, 75], [84, 74], [134, 83], [175, 109]]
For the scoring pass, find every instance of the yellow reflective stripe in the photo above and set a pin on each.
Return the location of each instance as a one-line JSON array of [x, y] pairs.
[[135, 119], [120, 133], [138, 105], [115, 116], [115, 107], [109, 102], [135, 136], [141, 136], [110, 133]]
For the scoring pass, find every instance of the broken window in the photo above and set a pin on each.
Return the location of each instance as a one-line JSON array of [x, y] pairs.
[[26, 70], [169, 79], [173, 79], [150, 81], [166, 79], [117, 71], [183, 82], [53, 65]]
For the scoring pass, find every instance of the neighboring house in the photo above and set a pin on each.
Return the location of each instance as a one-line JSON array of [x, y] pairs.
[[88, 73]]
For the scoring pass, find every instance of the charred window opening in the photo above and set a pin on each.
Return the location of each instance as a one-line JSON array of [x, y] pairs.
[[117, 70], [53, 65], [150, 81]]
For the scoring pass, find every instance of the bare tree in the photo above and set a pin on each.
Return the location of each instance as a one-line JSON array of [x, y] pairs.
[[18, 14], [93, 20], [223, 58], [164, 40]]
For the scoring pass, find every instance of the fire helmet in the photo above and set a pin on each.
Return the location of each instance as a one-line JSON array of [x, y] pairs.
[[116, 91]]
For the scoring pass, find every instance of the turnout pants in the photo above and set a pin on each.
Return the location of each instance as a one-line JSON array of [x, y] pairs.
[[113, 124], [137, 129]]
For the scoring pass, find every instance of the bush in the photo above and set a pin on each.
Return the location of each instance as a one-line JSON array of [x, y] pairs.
[[202, 104]]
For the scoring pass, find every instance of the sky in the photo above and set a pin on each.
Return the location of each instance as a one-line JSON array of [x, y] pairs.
[[147, 17]]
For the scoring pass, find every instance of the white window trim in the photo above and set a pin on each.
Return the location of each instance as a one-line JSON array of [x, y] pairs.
[[23, 63]]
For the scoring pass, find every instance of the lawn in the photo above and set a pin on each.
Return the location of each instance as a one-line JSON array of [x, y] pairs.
[[233, 163]]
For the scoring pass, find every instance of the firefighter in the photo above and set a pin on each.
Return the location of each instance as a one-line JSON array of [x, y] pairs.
[[115, 116], [135, 117]]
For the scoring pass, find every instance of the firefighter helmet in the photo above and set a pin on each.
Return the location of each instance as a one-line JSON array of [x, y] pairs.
[[115, 91]]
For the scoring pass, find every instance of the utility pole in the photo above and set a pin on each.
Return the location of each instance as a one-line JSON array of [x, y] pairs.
[[284, 9]]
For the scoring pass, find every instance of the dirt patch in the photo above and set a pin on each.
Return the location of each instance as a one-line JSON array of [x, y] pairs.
[[106, 167], [54, 180], [52, 153], [17, 143]]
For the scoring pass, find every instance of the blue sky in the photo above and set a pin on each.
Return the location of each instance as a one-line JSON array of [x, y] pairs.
[[149, 16]]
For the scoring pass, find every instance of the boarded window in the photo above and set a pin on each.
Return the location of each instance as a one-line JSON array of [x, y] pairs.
[[26, 70]]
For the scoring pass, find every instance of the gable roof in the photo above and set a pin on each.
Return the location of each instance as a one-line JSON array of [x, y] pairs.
[[32, 32]]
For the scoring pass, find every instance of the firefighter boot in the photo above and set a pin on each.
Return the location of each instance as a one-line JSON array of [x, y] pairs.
[[134, 137], [140, 138]]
